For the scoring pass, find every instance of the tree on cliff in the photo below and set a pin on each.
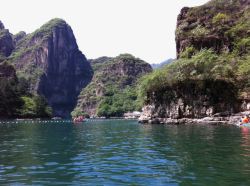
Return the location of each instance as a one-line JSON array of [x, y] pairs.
[[10, 98]]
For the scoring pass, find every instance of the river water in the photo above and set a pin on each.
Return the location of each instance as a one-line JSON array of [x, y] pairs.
[[123, 153]]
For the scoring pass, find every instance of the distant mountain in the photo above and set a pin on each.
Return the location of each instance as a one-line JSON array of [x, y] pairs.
[[112, 89], [155, 65]]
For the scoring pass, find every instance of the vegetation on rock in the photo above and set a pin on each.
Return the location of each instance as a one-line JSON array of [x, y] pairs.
[[112, 90], [10, 96], [35, 107], [213, 45], [49, 59], [15, 100]]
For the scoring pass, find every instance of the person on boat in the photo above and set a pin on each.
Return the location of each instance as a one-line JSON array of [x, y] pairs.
[[245, 120], [78, 119]]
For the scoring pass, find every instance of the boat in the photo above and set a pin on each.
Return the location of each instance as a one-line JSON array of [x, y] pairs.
[[79, 119], [56, 118], [245, 125]]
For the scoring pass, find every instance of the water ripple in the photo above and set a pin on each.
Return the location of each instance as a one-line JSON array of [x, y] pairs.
[[123, 153]]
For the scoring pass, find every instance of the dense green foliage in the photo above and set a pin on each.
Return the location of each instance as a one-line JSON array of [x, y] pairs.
[[117, 102], [205, 64], [10, 97], [35, 106], [15, 99]]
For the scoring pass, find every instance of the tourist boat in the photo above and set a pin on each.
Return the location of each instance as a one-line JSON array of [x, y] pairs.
[[79, 119], [245, 125]]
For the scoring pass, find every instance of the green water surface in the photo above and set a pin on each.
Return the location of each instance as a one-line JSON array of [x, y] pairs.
[[123, 153]]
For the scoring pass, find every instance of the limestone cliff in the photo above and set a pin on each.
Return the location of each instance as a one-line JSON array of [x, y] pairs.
[[193, 99], [112, 91], [50, 60], [211, 74], [218, 24]]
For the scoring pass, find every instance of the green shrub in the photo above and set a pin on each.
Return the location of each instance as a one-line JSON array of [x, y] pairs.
[[10, 97], [244, 68], [243, 46], [188, 52], [77, 112], [29, 108], [199, 31], [35, 106], [220, 18]]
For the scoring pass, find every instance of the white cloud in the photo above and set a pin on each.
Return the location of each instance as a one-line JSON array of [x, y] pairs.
[[144, 28]]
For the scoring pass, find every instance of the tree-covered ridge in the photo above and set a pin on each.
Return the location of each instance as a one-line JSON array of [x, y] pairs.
[[205, 64], [112, 90]]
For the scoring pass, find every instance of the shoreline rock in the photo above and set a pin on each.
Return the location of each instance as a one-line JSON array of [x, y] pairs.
[[213, 120]]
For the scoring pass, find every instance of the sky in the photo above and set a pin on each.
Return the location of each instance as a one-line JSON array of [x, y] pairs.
[[143, 28]]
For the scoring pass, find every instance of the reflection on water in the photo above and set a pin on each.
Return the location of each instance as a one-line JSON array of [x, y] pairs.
[[123, 153], [245, 131]]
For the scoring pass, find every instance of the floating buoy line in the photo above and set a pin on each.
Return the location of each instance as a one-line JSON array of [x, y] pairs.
[[35, 121], [56, 121]]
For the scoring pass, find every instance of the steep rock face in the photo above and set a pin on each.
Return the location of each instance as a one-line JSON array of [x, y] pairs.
[[50, 60], [212, 25], [112, 76], [6, 42], [193, 99]]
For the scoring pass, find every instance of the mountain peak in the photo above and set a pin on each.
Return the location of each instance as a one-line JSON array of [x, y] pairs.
[[55, 22], [47, 28]]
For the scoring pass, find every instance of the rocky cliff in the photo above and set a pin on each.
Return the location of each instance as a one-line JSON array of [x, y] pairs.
[[50, 60], [218, 25], [211, 75], [6, 42], [112, 90], [193, 99]]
